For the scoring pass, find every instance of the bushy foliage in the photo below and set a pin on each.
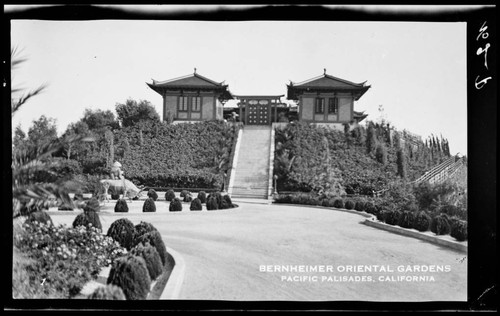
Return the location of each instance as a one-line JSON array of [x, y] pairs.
[[184, 193], [175, 205], [149, 205], [188, 198], [154, 239], [196, 205], [108, 292], [326, 202], [349, 204], [218, 198], [121, 206], [370, 207], [131, 275], [123, 231], [407, 219], [382, 215], [40, 216], [152, 194], [143, 228], [169, 195], [151, 257], [92, 205], [440, 225], [392, 217], [66, 258], [212, 203], [88, 219], [338, 203], [459, 230], [229, 203], [202, 195], [422, 221], [359, 206]]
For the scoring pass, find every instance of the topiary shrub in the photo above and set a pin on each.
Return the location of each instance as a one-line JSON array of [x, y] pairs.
[[87, 219], [108, 292], [459, 230], [39, 216], [143, 228], [360, 206], [175, 205], [123, 231], [184, 193], [196, 205], [422, 222], [440, 225], [202, 196], [131, 275], [407, 219], [155, 240], [229, 203], [370, 208], [349, 204], [169, 195], [212, 203], [92, 205], [151, 257], [121, 206], [152, 194], [188, 198], [149, 206], [382, 215], [115, 196], [325, 203], [218, 198], [338, 203], [392, 217]]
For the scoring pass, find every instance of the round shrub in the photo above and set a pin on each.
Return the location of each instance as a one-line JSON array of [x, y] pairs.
[[184, 193], [382, 215], [92, 205], [87, 219], [360, 206], [218, 198], [226, 198], [155, 240], [151, 257], [143, 228], [392, 217], [422, 222], [338, 203], [123, 231], [152, 194], [188, 198], [459, 230], [325, 202], [212, 204], [196, 205], [149, 206], [175, 205], [115, 196], [131, 275], [121, 206], [40, 216], [202, 195], [349, 204], [407, 219], [440, 225], [370, 208], [108, 292], [169, 195]]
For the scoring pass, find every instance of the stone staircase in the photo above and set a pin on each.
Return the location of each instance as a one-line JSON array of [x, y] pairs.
[[452, 167], [251, 176]]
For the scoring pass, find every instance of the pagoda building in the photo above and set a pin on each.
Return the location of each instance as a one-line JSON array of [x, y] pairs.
[[192, 98], [327, 100]]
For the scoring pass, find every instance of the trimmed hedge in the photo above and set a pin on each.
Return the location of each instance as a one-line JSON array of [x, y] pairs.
[[382, 215], [143, 228], [108, 292], [169, 195], [87, 219], [188, 198], [154, 238], [360, 206], [175, 205], [196, 205], [349, 204], [202, 195], [407, 219], [121, 206], [152, 194], [459, 230], [123, 231], [370, 208], [184, 193], [212, 203], [151, 257], [228, 202], [149, 206], [392, 217], [131, 275], [422, 222], [338, 203], [440, 225]]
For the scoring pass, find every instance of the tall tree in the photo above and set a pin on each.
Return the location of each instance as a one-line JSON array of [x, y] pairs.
[[42, 131], [371, 139], [99, 120], [132, 112], [401, 163]]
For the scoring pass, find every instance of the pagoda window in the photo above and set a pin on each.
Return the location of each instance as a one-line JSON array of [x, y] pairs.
[[319, 107], [195, 104], [333, 105], [183, 104]]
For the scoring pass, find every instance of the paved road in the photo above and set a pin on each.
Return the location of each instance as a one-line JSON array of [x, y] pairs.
[[225, 252]]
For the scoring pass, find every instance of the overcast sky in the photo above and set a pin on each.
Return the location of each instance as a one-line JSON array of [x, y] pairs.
[[417, 70]]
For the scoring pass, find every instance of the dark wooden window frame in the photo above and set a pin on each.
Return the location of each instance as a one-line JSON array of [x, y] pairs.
[[333, 105], [183, 104], [193, 103], [319, 106]]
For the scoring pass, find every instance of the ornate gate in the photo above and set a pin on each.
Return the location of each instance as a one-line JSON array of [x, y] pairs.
[[258, 112]]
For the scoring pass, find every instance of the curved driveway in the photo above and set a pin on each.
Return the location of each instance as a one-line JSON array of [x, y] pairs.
[[225, 252]]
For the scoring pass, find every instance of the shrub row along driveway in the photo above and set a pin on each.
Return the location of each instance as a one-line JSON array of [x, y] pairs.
[[225, 250]]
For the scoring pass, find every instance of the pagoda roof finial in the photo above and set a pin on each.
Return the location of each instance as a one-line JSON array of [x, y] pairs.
[[194, 69], [324, 71]]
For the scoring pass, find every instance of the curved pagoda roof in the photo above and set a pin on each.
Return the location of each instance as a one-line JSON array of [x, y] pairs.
[[191, 82], [326, 83]]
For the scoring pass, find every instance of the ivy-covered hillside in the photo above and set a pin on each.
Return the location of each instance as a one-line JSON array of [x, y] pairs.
[[361, 160]]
